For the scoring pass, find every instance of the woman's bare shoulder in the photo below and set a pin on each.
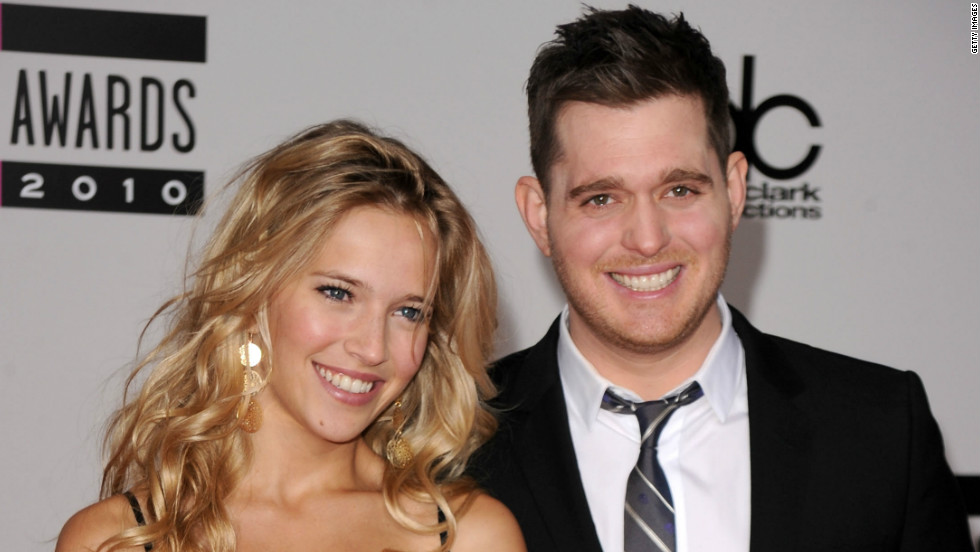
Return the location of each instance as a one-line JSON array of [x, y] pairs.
[[487, 521], [89, 528]]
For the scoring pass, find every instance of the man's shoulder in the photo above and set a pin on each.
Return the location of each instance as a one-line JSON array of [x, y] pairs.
[[532, 362], [512, 361], [806, 354], [768, 353]]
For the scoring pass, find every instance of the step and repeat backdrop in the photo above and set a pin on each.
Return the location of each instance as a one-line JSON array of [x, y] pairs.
[[118, 119]]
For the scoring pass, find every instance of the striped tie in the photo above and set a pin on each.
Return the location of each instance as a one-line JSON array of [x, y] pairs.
[[649, 507]]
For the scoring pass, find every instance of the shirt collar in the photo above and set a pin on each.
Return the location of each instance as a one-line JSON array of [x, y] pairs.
[[719, 375]]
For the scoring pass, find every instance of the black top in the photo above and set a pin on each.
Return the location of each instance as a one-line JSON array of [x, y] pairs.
[[442, 518], [141, 521], [138, 514]]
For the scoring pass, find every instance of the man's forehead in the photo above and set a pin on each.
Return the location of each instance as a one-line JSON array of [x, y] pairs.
[[602, 134], [563, 110], [577, 117]]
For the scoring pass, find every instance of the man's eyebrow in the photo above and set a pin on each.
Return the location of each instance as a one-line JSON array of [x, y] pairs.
[[595, 187], [685, 175]]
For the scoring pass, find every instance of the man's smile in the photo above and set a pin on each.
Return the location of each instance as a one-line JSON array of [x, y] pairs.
[[646, 282]]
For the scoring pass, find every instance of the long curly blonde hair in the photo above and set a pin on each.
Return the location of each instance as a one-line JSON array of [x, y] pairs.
[[178, 438]]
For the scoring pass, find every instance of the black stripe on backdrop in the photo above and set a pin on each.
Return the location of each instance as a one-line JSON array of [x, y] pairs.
[[87, 32]]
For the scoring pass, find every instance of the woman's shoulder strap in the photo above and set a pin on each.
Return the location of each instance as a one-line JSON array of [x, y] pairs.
[[138, 514], [135, 505], [442, 519]]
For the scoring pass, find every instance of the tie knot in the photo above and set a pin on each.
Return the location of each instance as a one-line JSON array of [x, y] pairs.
[[652, 414]]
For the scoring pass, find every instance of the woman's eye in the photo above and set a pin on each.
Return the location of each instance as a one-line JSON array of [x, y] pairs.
[[410, 313], [335, 293]]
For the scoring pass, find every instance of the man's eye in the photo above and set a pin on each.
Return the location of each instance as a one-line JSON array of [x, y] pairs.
[[600, 200], [680, 191], [334, 292]]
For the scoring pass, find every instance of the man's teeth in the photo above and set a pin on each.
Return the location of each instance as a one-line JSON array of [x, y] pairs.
[[345, 382], [651, 282]]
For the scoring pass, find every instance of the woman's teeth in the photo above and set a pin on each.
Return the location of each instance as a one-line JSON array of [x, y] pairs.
[[345, 382]]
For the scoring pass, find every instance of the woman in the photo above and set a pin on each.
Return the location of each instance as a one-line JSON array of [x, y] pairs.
[[322, 383]]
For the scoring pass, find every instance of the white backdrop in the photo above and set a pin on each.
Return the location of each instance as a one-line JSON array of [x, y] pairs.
[[878, 260]]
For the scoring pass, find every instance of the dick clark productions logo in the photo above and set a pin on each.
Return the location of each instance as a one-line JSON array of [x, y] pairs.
[[766, 200]]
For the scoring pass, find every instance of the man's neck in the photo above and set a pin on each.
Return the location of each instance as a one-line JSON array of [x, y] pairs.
[[651, 374]]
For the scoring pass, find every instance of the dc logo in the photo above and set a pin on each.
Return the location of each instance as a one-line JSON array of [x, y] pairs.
[[747, 118]]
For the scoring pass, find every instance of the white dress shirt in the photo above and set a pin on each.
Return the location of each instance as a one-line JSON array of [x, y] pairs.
[[703, 449]]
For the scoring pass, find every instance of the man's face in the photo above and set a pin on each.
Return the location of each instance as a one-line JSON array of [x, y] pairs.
[[638, 223]]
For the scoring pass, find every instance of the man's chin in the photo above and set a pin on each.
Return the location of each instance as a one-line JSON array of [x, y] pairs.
[[648, 333], [648, 343]]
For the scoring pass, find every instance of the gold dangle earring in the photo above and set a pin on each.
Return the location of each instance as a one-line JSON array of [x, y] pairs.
[[398, 451], [251, 355]]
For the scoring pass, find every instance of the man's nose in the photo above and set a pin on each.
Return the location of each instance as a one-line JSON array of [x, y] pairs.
[[645, 229]]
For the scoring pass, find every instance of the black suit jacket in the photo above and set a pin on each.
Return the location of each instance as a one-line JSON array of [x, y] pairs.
[[845, 454]]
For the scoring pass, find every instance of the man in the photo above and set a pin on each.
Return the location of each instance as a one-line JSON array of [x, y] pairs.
[[778, 446]]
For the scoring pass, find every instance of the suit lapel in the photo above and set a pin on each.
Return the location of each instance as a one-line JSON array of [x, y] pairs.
[[780, 440], [548, 456]]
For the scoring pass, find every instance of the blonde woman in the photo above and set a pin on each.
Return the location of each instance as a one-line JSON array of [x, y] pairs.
[[322, 383]]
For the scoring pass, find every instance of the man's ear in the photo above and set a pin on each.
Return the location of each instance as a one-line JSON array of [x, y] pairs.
[[534, 210], [738, 168]]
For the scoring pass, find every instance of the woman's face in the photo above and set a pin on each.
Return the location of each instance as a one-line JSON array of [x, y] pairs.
[[349, 331]]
